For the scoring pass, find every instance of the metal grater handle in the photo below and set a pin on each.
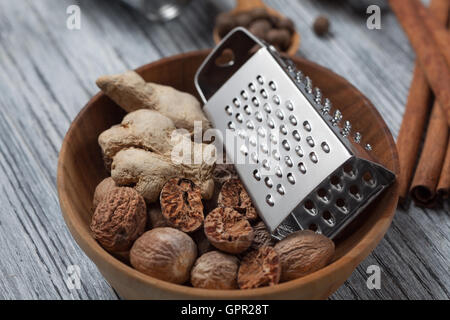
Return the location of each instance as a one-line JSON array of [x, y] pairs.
[[211, 76]]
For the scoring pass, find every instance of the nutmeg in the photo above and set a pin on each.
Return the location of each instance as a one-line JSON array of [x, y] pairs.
[[259, 268], [181, 204], [280, 38], [164, 253], [262, 238], [228, 230], [234, 195], [215, 270], [302, 253], [102, 189], [119, 219], [321, 26], [260, 27]]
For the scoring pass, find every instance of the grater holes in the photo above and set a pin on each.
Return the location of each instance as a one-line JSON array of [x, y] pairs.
[[341, 205], [314, 227], [273, 86], [244, 150], [248, 110], [328, 218], [348, 169], [322, 194], [310, 207], [263, 93], [336, 182], [299, 151], [296, 135], [276, 99], [368, 178], [257, 175], [307, 126], [281, 190], [289, 105], [310, 141], [258, 116], [252, 87], [302, 167], [244, 95], [283, 129], [325, 147], [255, 101], [231, 126], [229, 110], [267, 108], [293, 120], [313, 157], [286, 145], [260, 79], [236, 102], [288, 161], [290, 177], [268, 182], [354, 191], [239, 118], [269, 200]]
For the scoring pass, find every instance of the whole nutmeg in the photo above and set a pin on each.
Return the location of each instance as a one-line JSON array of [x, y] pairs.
[[215, 270], [259, 13], [279, 37], [228, 230], [285, 23], [302, 253], [243, 19], [321, 26], [155, 218], [234, 195], [181, 204], [164, 253], [119, 219], [102, 189], [260, 27], [262, 238], [259, 268]]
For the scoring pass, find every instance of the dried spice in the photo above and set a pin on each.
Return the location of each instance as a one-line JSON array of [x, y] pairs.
[[120, 218], [228, 230], [164, 253], [215, 270], [103, 188], [302, 253], [234, 195], [321, 26], [181, 204], [259, 268], [262, 237]]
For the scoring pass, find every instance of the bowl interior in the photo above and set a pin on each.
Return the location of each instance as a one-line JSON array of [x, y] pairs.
[[81, 167]]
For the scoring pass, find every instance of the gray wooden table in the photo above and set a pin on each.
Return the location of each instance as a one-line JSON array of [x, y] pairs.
[[47, 74]]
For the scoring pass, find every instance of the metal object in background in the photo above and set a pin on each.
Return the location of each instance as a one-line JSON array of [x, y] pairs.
[[159, 10], [303, 166]]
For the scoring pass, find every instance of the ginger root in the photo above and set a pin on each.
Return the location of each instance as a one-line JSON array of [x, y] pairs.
[[143, 128], [149, 171], [130, 91]]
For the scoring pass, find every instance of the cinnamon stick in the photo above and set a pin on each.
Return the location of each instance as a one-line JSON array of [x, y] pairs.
[[423, 187], [416, 111], [443, 188], [431, 59]]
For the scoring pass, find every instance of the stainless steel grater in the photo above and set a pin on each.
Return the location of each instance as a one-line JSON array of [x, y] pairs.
[[302, 166]]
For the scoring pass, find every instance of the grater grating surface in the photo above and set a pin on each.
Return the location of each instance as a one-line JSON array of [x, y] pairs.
[[296, 161]]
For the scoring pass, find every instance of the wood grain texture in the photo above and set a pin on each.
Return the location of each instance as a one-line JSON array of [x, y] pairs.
[[48, 74]]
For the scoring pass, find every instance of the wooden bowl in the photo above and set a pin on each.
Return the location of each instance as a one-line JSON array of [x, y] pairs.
[[247, 5], [80, 169]]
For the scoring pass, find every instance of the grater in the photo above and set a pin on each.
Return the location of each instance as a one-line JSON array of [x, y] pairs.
[[301, 164]]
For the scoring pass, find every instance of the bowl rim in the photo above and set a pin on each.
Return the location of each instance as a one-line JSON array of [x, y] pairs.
[[352, 258]]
